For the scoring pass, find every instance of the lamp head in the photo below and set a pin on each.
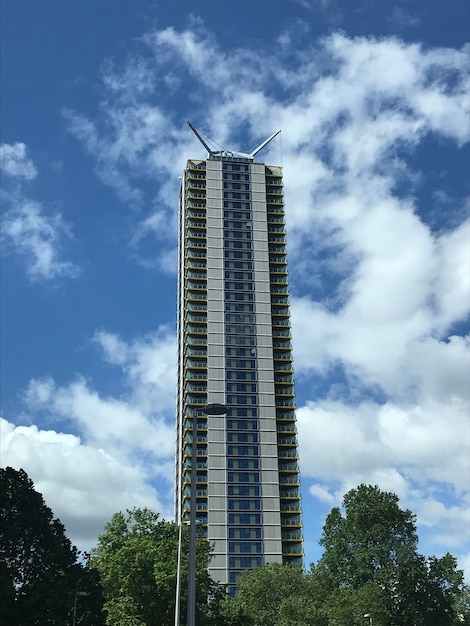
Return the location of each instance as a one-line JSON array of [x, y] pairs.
[[215, 409]]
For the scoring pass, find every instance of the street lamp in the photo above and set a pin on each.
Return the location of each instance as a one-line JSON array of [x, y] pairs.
[[210, 409], [77, 593], [369, 616]]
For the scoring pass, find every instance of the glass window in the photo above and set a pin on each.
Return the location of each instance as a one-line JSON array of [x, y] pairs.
[[237, 254], [239, 411], [243, 477], [241, 363], [244, 533], [247, 547], [238, 437], [246, 562], [242, 424], [233, 577], [247, 464], [238, 286], [235, 504], [246, 519], [242, 450], [241, 400], [244, 490]]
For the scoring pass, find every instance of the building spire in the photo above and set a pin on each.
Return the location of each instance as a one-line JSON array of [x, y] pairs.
[[219, 154]]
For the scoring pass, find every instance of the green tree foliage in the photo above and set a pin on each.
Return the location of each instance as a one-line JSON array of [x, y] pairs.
[[462, 606], [374, 546], [136, 557], [260, 594], [39, 572], [370, 566]]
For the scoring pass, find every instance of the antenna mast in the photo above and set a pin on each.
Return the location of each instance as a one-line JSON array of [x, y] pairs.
[[199, 136], [218, 154]]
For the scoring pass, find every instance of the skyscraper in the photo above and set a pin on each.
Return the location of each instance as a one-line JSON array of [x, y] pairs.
[[234, 348]]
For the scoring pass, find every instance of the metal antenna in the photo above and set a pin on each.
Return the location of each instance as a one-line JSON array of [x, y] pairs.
[[199, 136], [217, 154], [265, 143]]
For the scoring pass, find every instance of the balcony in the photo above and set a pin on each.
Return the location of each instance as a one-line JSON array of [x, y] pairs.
[[291, 508], [287, 441], [288, 480], [289, 467], [293, 494], [287, 428], [297, 550], [292, 535]]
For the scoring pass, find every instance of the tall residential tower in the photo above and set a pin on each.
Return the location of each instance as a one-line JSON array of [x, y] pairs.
[[234, 348]]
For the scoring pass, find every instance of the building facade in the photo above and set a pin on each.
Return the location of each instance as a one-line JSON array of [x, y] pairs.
[[234, 348]]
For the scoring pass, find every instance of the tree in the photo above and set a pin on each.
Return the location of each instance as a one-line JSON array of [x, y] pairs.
[[136, 557], [374, 546], [260, 594], [39, 572]]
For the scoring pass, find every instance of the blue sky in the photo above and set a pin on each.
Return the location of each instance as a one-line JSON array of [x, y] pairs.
[[373, 101]]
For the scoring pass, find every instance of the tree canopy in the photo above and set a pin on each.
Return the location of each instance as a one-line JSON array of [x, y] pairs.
[[136, 557], [39, 568], [370, 566], [374, 545]]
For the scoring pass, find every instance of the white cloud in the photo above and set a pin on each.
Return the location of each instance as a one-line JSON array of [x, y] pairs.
[[83, 485], [28, 231], [37, 238], [134, 423], [15, 163], [125, 443], [420, 452], [149, 364]]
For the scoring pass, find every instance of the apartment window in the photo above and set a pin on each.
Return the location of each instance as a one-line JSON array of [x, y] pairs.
[[243, 411], [233, 578], [241, 400], [238, 275], [243, 477], [237, 254], [242, 424], [244, 490], [235, 504], [239, 329], [236, 244], [235, 340], [246, 562], [241, 364], [245, 437], [237, 215], [239, 308], [239, 265], [238, 286], [241, 319], [241, 387], [244, 533], [239, 296], [245, 519], [244, 547], [242, 450], [244, 464]]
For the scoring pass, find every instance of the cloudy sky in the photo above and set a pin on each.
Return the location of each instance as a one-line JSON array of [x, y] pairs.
[[372, 97]]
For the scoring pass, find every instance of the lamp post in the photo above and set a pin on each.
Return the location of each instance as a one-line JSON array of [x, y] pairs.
[[210, 409], [369, 617], [77, 593]]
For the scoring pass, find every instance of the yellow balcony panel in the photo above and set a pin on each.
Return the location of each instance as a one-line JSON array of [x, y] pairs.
[[293, 481]]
